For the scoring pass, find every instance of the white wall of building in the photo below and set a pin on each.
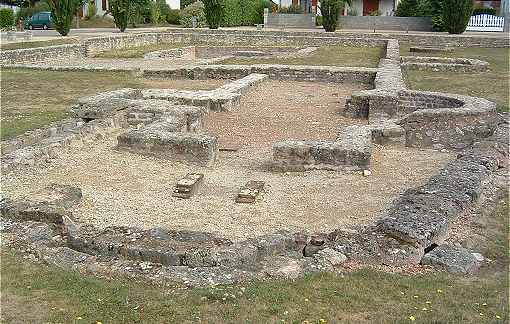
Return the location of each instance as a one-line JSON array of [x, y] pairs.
[[386, 7], [174, 4]]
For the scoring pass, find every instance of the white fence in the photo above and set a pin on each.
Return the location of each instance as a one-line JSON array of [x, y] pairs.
[[486, 23]]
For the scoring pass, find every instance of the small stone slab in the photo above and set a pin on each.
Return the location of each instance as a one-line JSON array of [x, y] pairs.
[[188, 186], [249, 192]]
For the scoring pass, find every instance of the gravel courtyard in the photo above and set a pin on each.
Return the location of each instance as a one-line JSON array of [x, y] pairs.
[[122, 188]]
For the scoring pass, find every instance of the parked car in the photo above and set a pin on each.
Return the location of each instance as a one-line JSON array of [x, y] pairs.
[[39, 20]]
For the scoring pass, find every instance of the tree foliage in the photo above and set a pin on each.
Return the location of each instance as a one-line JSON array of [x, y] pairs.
[[195, 9], [456, 14], [330, 10], [62, 14], [120, 10], [6, 17], [244, 12], [214, 11]]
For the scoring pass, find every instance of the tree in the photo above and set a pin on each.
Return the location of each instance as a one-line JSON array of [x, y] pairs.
[[407, 8], [120, 12], [330, 10], [456, 14], [214, 11], [62, 14]]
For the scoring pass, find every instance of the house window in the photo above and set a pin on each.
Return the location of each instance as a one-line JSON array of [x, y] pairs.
[[104, 5]]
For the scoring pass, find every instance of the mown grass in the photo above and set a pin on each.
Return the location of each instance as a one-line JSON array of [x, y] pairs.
[[492, 85], [32, 99], [32, 44], [326, 55], [40, 293]]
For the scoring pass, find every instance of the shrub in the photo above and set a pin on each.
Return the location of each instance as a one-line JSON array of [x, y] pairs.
[[185, 3], [120, 10], [258, 11], [330, 10], [173, 17], [407, 8], [456, 14], [232, 14], [159, 11], [155, 13], [62, 14], [91, 10], [139, 12], [418, 8], [214, 11], [6, 17], [374, 13], [244, 12], [196, 9]]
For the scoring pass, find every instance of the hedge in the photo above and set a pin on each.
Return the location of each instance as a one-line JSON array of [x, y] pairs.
[[6, 17], [244, 12]]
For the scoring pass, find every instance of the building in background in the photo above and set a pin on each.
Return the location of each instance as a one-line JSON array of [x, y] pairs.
[[102, 6], [372, 7]]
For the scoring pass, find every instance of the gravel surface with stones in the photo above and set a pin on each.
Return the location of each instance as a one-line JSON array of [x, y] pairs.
[[122, 188], [280, 110]]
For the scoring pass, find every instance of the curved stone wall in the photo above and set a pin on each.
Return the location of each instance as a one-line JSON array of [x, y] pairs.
[[446, 121]]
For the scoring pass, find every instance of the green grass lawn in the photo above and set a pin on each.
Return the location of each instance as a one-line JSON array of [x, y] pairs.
[[32, 99], [40, 293], [326, 55], [32, 44], [492, 85]]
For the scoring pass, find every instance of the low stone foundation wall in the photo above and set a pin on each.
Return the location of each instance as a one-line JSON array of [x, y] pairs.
[[352, 151], [407, 234], [225, 98], [381, 102], [48, 143], [439, 120], [416, 39], [275, 72], [38, 54], [446, 121], [422, 215], [105, 104], [163, 140], [149, 111], [239, 37], [443, 64], [181, 52]]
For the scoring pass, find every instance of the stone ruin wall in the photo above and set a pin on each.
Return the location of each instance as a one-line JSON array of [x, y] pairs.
[[254, 38], [420, 218]]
